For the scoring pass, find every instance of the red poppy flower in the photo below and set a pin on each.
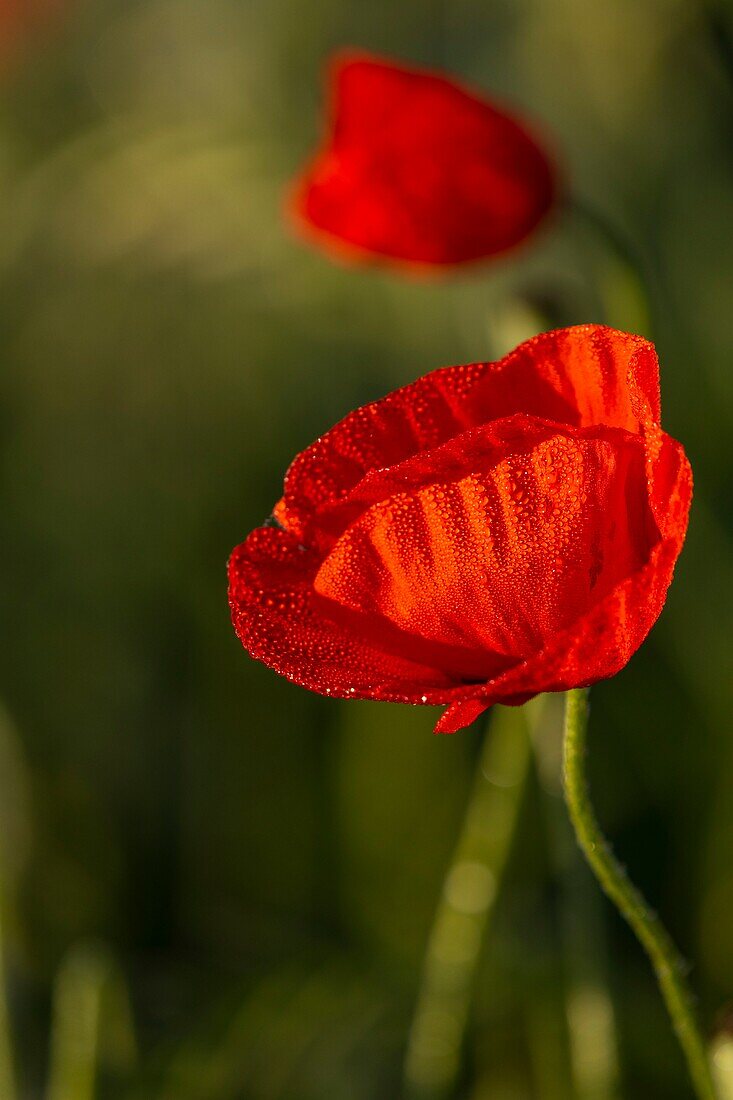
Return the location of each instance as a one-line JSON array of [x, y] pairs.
[[487, 533], [416, 168]]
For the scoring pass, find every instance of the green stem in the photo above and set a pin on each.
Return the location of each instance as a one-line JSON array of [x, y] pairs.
[[668, 966], [469, 891]]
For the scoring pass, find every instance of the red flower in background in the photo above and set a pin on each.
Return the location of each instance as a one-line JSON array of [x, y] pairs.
[[416, 168], [487, 533]]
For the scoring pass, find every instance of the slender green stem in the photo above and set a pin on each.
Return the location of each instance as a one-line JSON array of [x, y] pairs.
[[668, 966], [469, 891]]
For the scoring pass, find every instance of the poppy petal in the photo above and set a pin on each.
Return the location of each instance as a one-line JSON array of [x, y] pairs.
[[600, 643], [584, 375], [502, 559], [282, 621], [459, 715]]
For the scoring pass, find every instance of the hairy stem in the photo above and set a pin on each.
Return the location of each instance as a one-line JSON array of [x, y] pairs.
[[668, 966]]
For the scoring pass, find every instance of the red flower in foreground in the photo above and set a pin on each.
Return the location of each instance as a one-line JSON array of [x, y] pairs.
[[418, 169], [488, 532]]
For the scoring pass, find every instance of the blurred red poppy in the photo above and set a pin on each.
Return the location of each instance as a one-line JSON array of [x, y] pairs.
[[484, 534], [417, 169]]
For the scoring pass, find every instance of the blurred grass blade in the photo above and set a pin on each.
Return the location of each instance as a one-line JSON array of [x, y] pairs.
[[721, 1053], [591, 1027], [469, 892], [548, 1041], [7, 1068], [91, 1016], [296, 1033]]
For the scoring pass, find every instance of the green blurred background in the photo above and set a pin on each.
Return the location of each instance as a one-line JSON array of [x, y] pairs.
[[228, 878]]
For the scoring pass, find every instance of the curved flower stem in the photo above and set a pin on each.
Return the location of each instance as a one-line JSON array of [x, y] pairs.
[[668, 966], [469, 891]]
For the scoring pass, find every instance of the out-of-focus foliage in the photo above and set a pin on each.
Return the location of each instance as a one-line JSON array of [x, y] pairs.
[[262, 865]]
